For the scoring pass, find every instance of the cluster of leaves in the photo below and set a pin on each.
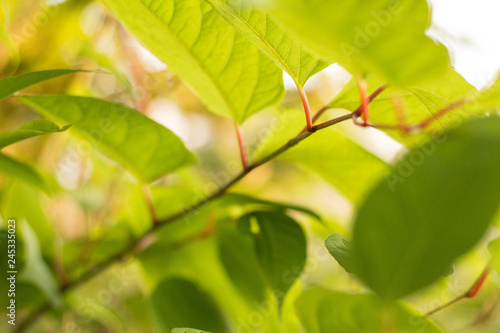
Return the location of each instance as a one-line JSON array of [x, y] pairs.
[[240, 257]]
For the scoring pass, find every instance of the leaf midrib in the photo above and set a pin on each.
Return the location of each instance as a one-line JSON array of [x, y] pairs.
[[284, 66], [196, 60]]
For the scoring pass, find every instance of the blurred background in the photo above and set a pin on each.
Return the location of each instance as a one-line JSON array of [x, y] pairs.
[[100, 207]]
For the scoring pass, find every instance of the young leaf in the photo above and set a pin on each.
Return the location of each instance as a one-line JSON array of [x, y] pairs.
[[340, 247], [178, 302], [11, 85], [380, 36], [231, 76], [21, 171], [145, 147], [187, 330], [281, 248], [322, 310], [29, 130], [433, 207], [270, 38], [418, 102]]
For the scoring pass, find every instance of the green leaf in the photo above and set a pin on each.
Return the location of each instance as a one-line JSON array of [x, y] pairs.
[[280, 245], [21, 171], [419, 102], [145, 147], [231, 76], [178, 302], [244, 199], [494, 248], [10, 85], [329, 153], [340, 247], [385, 37], [237, 254], [322, 310], [187, 330], [29, 130], [27, 202], [432, 208], [36, 270], [270, 38], [489, 99]]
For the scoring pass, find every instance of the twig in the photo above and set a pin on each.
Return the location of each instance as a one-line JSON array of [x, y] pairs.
[[356, 112], [470, 293]]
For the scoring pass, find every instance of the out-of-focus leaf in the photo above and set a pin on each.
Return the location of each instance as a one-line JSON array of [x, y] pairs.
[[36, 270], [418, 102], [21, 171], [178, 302], [26, 202], [11, 85], [340, 247], [7, 39], [433, 207], [270, 38], [29, 130], [381, 36], [494, 248], [321, 310], [145, 147], [489, 99], [237, 254], [340, 161], [244, 199], [230, 74], [280, 245]]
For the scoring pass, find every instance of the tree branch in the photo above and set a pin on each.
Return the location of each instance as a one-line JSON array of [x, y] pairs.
[[470, 293], [135, 247]]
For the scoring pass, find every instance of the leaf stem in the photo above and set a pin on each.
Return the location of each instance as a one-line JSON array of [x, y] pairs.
[[408, 129], [353, 115], [470, 293], [364, 100], [307, 108], [241, 144], [356, 112], [400, 113], [441, 113], [146, 191]]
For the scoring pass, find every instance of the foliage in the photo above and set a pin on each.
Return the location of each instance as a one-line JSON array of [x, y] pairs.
[[169, 182]]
